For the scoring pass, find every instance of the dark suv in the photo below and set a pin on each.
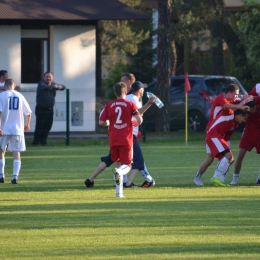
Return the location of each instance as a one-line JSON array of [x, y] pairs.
[[203, 91]]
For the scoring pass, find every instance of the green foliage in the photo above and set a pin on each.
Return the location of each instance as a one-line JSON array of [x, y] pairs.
[[51, 215], [249, 29], [126, 47], [113, 77]]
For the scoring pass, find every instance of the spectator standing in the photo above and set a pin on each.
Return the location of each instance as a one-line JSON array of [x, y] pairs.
[[13, 107], [45, 100], [3, 78], [119, 113]]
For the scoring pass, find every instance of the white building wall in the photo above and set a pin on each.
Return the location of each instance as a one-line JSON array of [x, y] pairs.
[[10, 51], [73, 62]]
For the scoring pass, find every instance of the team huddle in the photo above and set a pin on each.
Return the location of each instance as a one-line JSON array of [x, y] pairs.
[[227, 112]]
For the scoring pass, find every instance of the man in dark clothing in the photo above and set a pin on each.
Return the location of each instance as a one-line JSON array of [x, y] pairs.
[[45, 99]]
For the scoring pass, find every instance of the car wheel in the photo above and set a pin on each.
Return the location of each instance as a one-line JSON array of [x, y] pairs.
[[196, 121]]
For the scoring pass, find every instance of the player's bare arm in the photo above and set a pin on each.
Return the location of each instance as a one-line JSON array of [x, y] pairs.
[[103, 123], [27, 123], [147, 104], [234, 107], [139, 119]]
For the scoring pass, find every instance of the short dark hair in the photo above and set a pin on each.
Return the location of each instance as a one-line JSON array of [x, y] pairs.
[[47, 73], [241, 112], [251, 103], [130, 77], [3, 72], [9, 83], [118, 88], [231, 88]]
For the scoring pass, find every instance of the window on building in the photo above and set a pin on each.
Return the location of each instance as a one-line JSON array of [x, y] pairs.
[[35, 61]]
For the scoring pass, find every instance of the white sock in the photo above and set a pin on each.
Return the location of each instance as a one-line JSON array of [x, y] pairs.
[[2, 168], [122, 170], [198, 175], [16, 169], [235, 176], [145, 174], [119, 188], [222, 169], [125, 178]]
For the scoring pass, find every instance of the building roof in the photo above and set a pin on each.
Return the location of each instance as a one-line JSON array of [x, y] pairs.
[[76, 10]]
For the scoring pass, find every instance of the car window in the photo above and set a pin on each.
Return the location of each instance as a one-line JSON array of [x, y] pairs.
[[218, 85], [177, 85]]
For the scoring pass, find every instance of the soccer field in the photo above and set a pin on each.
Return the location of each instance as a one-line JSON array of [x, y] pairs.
[[50, 214]]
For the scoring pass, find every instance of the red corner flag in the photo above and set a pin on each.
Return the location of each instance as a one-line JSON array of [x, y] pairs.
[[186, 84]]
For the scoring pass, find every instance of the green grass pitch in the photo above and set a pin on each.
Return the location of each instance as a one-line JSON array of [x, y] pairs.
[[51, 215]]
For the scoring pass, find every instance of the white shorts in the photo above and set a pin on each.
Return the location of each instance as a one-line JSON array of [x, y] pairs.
[[13, 143], [209, 151]]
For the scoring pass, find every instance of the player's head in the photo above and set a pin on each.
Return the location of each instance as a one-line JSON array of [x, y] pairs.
[[128, 79], [232, 91], [253, 105], [138, 88], [9, 84], [241, 115], [120, 89], [3, 75]]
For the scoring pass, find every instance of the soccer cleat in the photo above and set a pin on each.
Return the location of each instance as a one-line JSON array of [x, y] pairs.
[[14, 181], [89, 184], [130, 186], [117, 176], [2, 180], [233, 182], [198, 182], [227, 185], [218, 182], [120, 195], [257, 182], [148, 184]]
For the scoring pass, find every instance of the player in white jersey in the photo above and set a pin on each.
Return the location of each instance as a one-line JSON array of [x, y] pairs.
[[13, 107], [138, 160]]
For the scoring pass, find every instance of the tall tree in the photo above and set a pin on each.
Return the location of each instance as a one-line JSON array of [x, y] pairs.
[[124, 48], [164, 70], [248, 32], [194, 22]]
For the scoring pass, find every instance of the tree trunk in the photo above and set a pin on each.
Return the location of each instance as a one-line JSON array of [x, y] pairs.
[[174, 58], [164, 65]]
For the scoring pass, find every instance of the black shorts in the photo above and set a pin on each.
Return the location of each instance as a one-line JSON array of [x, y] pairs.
[[138, 159], [107, 160]]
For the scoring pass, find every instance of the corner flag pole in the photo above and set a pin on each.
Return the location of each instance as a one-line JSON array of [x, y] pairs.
[[186, 90]]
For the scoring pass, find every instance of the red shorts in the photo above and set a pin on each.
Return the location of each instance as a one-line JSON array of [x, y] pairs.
[[122, 154], [250, 139], [217, 145]]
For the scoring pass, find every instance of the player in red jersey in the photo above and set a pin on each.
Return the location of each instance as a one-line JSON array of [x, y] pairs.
[[250, 139], [222, 103], [218, 146], [255, 90], [119, 113]]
